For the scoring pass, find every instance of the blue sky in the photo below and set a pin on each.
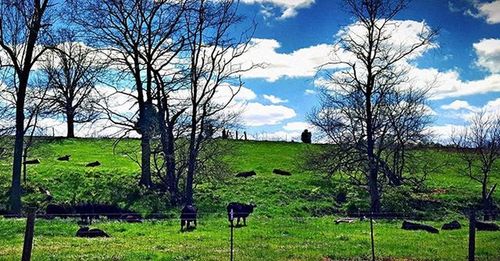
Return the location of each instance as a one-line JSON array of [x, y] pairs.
[[466, 61]]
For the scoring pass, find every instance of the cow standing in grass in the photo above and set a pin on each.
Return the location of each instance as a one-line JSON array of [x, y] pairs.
[[188, 215], [239, 210]]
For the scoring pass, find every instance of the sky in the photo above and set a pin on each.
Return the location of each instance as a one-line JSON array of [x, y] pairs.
[[294, 37]]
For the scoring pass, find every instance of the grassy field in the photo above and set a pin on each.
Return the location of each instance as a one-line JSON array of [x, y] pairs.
[[262, 239], [293, 219]]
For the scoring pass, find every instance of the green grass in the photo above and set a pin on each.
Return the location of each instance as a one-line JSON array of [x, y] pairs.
[[293, 219], [262, 239]]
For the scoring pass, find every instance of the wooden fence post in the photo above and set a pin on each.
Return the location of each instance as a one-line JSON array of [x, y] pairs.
[[28, 235], [231, 218], [372, 239], [472, 235]]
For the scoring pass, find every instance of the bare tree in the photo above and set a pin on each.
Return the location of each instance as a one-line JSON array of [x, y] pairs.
[[479, 147], [135, 36], [369, 111], [212, 53], [72, 72], [23, 37]]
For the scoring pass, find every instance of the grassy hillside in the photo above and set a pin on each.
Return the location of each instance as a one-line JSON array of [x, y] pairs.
[[304, 193], [293, 219]]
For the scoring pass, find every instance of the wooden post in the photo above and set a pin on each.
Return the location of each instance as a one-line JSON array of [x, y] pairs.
[[231, 218], [472, 235], [372, 239], [28, 235]]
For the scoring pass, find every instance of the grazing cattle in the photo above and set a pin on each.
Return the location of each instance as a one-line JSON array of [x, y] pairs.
[[188, 215], [86, 232], [281, 172], [93, 164], [246, 174], [64, 158], [486, 226], [240, 210], [415, 226], [452, 225], [35, 161]]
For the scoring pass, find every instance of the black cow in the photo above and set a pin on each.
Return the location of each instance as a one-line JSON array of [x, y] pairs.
[[416, 226], [240, 210], [246, 174], [86, 232], [188, 215], [93, 164], [64, 158]]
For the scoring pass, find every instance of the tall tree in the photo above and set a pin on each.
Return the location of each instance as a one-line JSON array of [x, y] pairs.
[[72, 71], [212, 52], [23, 37], [479, 147], [369, 111], [135, 35]]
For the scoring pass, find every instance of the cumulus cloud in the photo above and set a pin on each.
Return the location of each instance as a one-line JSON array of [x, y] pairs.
[[459, 105], [490, 11], [488, 54], [256, 114], [273, 65], [273, 99], [288, 8]]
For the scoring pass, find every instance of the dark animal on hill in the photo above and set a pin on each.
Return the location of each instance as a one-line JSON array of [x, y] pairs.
[[452, 225], [93, 164], [246, 174], [415, 226], [86, 232], [486, 226], [64, 158], [239, 210], [188, 215], [35, 161], [281, 172]]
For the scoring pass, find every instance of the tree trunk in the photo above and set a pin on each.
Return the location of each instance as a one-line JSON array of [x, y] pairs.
[[374, 193], [70, 122], [15, 195], [485, 201], [145, 160], [190, 178], [168, 143]]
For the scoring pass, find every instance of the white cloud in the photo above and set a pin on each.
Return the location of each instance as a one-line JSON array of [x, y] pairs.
[[488, 54], [297, 126], [273, 65], [443, 133], [288, 8], [490, 11], [310, 92], [459, 105], [256, 114], [273, 99]]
